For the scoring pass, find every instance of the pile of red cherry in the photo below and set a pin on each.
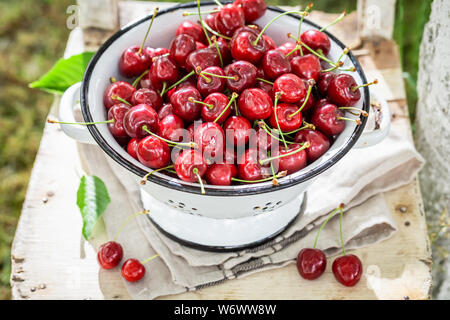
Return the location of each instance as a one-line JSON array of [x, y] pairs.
[[223, 77]]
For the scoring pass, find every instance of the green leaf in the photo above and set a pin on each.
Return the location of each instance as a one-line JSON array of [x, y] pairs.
[[64, 73], [92, 199]]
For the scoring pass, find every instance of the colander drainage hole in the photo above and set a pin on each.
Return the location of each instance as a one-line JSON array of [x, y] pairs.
[[268, 204]]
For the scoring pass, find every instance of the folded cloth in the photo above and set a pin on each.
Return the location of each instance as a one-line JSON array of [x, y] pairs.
[[358, 180]]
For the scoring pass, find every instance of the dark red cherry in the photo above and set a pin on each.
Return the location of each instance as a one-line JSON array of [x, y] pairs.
[[275, 64], [311, 263], [147, 96], [249, 167], [215, 84], [132, 62], [193, 29], [219, 101], [341, 90], [229, 18], [210, 139], [244, 72], [185, 164], [180, 47], [183, 107], [286, 122], [319, 143], [210, 20], [163, 69], [199, 45], [117, 112], [109, 255], [266, 87], [171, 127], [291, 87], [139, 116], [253, 9], [220, 174], [325, 118], [132, 148], [287, 47], [243, 47], [133, 270], [324, 82], [321, 102], [202, 58], [316, 40], [156, 52], [292, 162], [224, 48], [153, 152], [255, 104], [309, 104], [270, 43], [119, 89], [165, 111], [347, 270], [237, 129], [306, 67]]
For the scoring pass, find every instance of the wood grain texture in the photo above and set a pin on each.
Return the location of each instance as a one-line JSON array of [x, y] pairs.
[[50, 261]]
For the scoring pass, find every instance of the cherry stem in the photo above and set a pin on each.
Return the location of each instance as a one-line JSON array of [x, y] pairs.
[[81, 123], [202, 23], [178, 82], [337, 65], [218, 3], [306, 126], [163, 88], [264, 80], [358, 122], [202, 187], [234, 95], [135, 83], [236, 109], [149, 259], [308, 7], [351, 69], [235, 78], [127, 220], [331, 215], [205, 26], [145, 178], [186, 144], [344, 53], [214, 39], [293, 50], [302, 13], [277, 96], [361, 112], [274, 180], [303, 147], [148, 30], [116, 97], [317, 54], [187, 13], [198, 71], [112, 79], [365, 85], [279, 175], [191, 99], [263, 125], [311, 83], [340, 230], [342, 16]]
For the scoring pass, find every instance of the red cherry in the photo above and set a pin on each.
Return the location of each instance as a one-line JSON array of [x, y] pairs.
[[210, 20], [249, 167], [293, 162], [287, 47], [286, 122], [311, 263], [275, 64], [133, 270], [156, 52], [139, 116], [117, 112], [306, 67], [182, 107], [244, 48], [202, 58], [238, 130], [321, 102], [163, 69], [153, 152], [219, 101], [199, 45], [261, 141], [319, 143], [132, 148], [180, 48], [109, 255], [229, 18], [220, 174], [147, 96], [253, 9], [165, 111], [187, 161], [216, 84], [326, 119], [309, 104], [255, 104], [341, 90], [193, 29], [224, 48], [347, 270], [324, 82], [119, 89], [245, 73], [316, 40], [291, 87], [132, 62], [266, 87], [171, 127], [210, 138], [270, 42]]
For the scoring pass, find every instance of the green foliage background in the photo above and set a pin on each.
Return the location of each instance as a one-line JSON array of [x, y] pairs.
[[33, 35]]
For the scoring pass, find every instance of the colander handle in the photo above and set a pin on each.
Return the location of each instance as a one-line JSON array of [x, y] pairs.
[[371, 137], [65, 114]]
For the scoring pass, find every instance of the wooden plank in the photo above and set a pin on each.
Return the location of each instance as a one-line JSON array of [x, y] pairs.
[[376, 18]]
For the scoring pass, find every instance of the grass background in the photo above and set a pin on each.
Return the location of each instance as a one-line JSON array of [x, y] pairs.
[[33, 35]]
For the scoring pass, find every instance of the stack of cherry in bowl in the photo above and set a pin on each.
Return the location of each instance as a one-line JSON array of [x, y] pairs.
[[224, 104]]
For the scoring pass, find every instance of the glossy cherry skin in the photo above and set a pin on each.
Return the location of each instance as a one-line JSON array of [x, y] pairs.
[[139, 116], [180, 48], [324, 82], [316, 40], [163, 69], [287, 47], [306, 67], [229, 18], [121, 89], [311, 263], [186, 162], [219, 101], [225, 50], [202, 58], [210, 139], [132, 148], [237, 129], [171, 127], [321, 102], [325, 118], [242, 47], [153, 152], [147, 96], [133, 270], [246, 75], [309, 103], [275, 64], [319, 143], [253, 9], [220, 174], [132, 63], [347, 270], [340, 90], [249, 167], [292, 88], [199, 45], [266, 87], [255, 104], [291, 163], [155, 52], [261, 140], [193, 29], [287, 123], [270, 43], [117, 112], [109, 255], [210, 20], [182, 107], [216, 84], [165, 111]]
